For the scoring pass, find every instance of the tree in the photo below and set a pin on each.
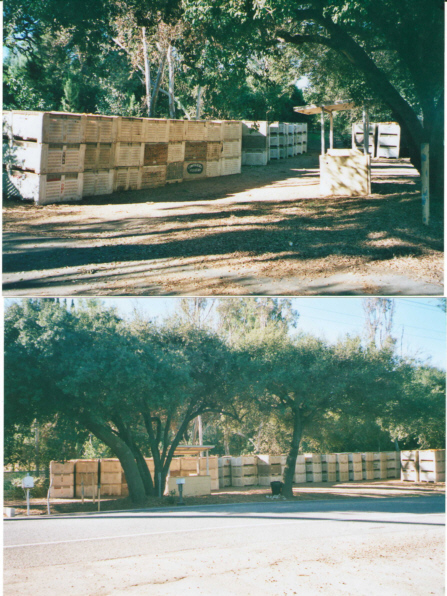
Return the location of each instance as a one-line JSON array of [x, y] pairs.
[[304, 379], [136, 387], [397, 47]]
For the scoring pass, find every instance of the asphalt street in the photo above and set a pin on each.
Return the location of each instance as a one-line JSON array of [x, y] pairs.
[[117, 552]]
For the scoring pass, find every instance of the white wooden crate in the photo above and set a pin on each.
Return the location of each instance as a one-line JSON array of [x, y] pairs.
[[231, 148], [126, 179], [231, 165], [255, 158], [99, 182], [45, 127], [100, 129], [44, 158], [176, 152], [129, 130], [213, 168], [45, 189], [388, 140], [155, 130], [129, 154]]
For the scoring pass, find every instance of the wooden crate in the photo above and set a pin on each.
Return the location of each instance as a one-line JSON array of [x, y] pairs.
[[155, 154], [195, 151], [129, 154], [45, 127], [100, 129], [355, 467], [231, 148], [214, 131], [213, 168], [193, 170], [152, 176], [358, 137], [368, 466], [380, 465], [274, 153], [155, 130], [213, 150], [129, 130], [174, 172], [195, 130], [176, 131], [231, 165], [99, 156], [45, 189], [345, 172], [46, 158], [98, 182], [388, 139], [126, 179], [255, 158], [231, 130], [176, 152]]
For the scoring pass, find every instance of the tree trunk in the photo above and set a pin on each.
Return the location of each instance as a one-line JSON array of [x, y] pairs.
[[289, 471], [147, 72], [158, 83], [144, 472], [171, 83], [199, 103], [126, 457]]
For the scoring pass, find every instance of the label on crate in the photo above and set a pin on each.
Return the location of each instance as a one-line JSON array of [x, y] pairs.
[[195, 168]]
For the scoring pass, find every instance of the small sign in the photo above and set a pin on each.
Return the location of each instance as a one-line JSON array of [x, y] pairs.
[[195, 168], [180, 481]]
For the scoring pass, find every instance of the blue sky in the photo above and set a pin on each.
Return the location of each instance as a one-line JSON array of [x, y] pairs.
[[419, 324]]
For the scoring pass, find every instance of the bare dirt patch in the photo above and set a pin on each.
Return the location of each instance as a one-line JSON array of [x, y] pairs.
[[265, 231], [377, 489]]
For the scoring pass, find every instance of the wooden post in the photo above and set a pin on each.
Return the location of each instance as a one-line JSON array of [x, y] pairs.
[[322, 132], [331, 131], [425, 180]]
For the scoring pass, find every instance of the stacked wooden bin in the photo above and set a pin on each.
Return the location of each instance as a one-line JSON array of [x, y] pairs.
[[383, 139], [53, 157], [263, 141]]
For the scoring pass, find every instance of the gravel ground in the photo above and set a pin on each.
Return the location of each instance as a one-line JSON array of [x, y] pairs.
[[266, 231]]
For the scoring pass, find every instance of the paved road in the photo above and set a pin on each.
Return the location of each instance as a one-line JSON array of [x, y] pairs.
[[237, 549]]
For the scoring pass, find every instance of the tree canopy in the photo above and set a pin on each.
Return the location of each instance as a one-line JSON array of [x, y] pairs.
[[259, 384]]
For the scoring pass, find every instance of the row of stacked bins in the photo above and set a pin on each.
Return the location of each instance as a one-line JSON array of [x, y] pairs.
[[73, 478], [263, 141], [69, 477], [50, 157], [260, 470], [383, 139]]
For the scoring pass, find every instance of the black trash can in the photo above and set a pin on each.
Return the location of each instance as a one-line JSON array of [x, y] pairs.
[[276, 487]]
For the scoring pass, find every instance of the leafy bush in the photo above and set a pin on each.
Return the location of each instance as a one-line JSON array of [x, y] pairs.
[[13, 488]]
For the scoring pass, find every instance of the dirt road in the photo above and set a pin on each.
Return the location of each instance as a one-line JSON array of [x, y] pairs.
[[265, 231]]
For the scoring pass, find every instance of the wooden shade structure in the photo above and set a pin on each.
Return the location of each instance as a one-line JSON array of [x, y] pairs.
[[330, 109]]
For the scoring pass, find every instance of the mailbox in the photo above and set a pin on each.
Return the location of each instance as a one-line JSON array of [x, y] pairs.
[[28, 482], [180, 481]]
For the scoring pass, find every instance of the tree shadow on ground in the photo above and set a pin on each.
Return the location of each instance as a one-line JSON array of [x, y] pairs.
[[323, 235]]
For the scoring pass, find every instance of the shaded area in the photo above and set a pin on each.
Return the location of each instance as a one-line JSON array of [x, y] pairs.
[[281, 229]]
